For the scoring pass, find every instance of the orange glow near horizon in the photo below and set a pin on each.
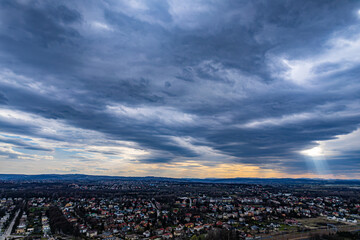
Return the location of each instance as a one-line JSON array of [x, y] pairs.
[[187, 169]]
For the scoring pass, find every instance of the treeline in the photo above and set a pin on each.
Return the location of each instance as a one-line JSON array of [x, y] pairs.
[[20, 206], [2, 213], [218, 234], [222, 234], [58, 222], [17, 221], [337, 236]]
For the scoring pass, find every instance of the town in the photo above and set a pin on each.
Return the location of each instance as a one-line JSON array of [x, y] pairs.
[[153, 209]]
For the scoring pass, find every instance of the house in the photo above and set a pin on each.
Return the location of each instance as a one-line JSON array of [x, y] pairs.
[[44, 219], [91, 233], [249, 237], [291, 222], [199, 228], [147, 233], [20, 231], [159, 231], [189, 225], [167, 235], [132, 237], [352, 220], [179, 227], [178, 233], [46, 228], [254, 228]]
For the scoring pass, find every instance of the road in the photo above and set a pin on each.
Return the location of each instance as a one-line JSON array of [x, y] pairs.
[[309, 234], [154, 206], [7, 233]]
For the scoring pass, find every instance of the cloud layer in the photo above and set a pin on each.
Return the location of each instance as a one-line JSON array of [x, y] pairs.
[[180, 88]]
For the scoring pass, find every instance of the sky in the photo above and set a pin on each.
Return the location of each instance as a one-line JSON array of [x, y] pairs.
[[190, 88]]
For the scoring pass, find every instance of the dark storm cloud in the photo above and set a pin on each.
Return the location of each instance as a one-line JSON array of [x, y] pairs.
[[154, 72], [39, 34]]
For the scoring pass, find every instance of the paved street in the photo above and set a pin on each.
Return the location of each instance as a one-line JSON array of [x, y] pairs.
[[7, 233]]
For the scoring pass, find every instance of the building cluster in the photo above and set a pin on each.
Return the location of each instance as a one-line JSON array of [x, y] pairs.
[[34, 220], [7, 209], [249, 211]]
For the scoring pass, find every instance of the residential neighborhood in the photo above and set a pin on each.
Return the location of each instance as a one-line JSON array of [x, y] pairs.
[[171, 210]]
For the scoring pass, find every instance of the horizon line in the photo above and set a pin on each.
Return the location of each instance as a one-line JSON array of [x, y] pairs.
[[209, 178]]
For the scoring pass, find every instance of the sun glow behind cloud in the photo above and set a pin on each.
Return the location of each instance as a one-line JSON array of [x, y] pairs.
[[313, 152]]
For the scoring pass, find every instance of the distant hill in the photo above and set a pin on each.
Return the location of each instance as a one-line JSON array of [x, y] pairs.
[[74, 177], [83, 177]]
